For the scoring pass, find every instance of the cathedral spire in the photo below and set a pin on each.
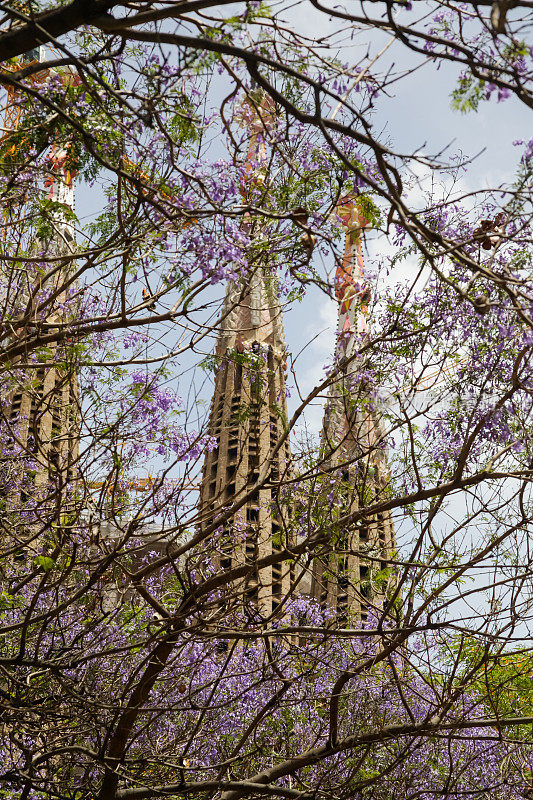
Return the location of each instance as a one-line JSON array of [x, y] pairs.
[[354, 443], [249, 413]]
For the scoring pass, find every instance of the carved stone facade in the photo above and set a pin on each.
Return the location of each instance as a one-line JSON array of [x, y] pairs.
[[41, 414], [248, 418], [344, 574]]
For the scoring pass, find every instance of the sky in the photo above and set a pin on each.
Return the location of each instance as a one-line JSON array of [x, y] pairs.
[[417, 116]]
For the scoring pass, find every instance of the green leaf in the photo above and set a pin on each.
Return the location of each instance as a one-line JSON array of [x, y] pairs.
[[45, 563], [6, 600]]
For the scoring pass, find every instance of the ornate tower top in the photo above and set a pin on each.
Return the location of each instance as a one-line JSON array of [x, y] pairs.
[[353, 294], [251, 312], [351, 289]]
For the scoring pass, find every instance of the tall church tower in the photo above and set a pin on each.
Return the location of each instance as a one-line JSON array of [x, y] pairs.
[[248, 417], [39, 412], [344, 576]]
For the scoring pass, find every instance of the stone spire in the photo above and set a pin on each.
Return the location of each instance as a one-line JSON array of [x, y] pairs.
[[40, 410], [354, 442], [248, 417]]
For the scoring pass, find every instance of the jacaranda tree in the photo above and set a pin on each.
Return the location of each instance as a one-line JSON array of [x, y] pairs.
[[131, 666]]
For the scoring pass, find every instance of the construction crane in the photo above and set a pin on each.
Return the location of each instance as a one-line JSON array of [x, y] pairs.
[[143, 484], [13, 107], [11, 120], [138, 484]]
